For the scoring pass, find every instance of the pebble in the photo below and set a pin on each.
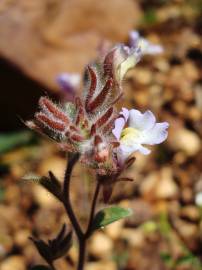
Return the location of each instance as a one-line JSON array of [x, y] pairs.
[[185, 140], [108, 265], [114, 230], [13, 263], [134, 237], [160, 185], [101, 246], [191, 212]]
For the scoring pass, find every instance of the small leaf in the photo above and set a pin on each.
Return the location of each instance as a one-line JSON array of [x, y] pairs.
[[109, 215], [61, 244], [40, 267], [53, 185], [43, 249], [50, 183]]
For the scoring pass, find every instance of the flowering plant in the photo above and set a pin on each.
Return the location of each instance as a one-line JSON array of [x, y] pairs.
[[91, 130]]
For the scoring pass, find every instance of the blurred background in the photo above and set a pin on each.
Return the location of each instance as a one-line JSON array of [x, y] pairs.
[[41, 39]]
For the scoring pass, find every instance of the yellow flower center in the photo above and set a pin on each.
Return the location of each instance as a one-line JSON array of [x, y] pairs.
[[129, 134]]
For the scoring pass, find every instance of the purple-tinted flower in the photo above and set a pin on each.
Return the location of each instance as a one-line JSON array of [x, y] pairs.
[[142, 129], [146, 47], [120, 123], [69, 82], [123, 57]]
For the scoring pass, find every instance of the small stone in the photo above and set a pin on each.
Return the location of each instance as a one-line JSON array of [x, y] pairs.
[[142, 212], [21, 237], [142, 98], [160, 185], [162, 65], [187, 195], [135, 237], [190, 212], [101, 245], [13, 262], [186, 229], [43, 197], [194, 114], [113, 230], [12, 193], [101, 266], [185, 140], [167, 188], [179, 106], [142, 76]]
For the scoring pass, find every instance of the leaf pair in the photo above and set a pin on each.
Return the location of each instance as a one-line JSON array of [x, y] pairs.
[[55, 248]]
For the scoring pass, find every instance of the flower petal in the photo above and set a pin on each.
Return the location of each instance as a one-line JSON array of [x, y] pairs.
[[141, 121], [125, 113], [143, 150], [133, 38], [119, 125], [149, 48], [124, 151], [156, 135]]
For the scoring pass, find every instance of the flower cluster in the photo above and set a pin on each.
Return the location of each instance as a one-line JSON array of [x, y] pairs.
[[91, 124]]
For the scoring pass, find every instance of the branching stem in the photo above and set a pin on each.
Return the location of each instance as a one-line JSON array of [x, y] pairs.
[[66, 195], [82, 237]]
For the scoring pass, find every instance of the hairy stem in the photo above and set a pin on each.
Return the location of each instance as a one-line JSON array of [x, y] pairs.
[[66, 194], [93, 207]]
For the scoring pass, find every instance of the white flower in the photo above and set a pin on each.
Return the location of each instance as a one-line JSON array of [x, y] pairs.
[[145, 46], [142, 130]]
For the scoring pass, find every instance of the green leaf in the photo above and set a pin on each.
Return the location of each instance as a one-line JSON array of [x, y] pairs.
[[14, 139], [40, 267], [109, 215]]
